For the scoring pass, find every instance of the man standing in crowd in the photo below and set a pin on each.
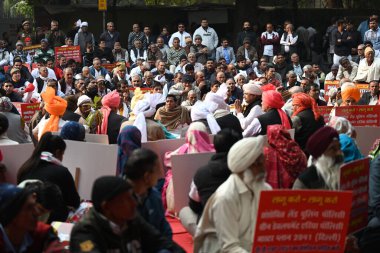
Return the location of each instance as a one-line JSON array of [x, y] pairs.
[[110, 36], [373, 34], [55, 37], [246, 33], [181, 35], [209, 37], [271, 42], [83, 37]]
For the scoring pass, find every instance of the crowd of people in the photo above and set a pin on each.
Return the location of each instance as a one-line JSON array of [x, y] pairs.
[[181, 85]]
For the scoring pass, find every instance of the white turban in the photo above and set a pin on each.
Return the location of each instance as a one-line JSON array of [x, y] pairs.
[[84, 99], [145, 108], [222, 91], [84, 24], [205, 110], [252, 88], [244, 153], [217, 99]]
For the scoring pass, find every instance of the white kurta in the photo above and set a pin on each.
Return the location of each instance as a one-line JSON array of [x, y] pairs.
[[229, 218], [368, 73]]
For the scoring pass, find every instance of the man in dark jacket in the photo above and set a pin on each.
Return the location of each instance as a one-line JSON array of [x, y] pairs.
[[113, 225], [247, 33], [208, 178], [371, 97]]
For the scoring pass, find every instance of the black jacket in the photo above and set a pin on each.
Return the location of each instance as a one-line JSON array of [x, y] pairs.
[[343, 47], [94, 234], [365, 99], [208, 178], [309, 126], [271, 117], [114, 124]]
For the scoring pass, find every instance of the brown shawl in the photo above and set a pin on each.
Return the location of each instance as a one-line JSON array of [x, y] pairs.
[[173, 118]]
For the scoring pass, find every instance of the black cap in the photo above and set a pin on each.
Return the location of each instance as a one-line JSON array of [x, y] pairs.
[[187, 79], [107, 187]]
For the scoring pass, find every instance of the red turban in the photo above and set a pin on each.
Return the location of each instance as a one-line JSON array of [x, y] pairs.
[[111, 100], [267, 87], [305, 102], [273, 99], [55, 106], [319, 141]]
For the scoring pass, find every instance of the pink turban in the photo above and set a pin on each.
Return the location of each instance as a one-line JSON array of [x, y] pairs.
[[109, 101], [273, 99]]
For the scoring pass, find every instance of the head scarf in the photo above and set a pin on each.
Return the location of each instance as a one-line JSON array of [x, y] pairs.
[[273, 99], [84, 99], [197, 140], [222, 91], [205, 110], [12, 198], [268, 87], [111, 100], [244, 153], [367, 50], [128, 140], [285, 159], [319, 141], [5, 104], [146, 108], [342, 125], [352, 92], [305, 102], [73, 131], [55, 106], [349, 148]]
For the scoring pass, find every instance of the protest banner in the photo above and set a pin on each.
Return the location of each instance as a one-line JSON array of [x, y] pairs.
[[71, 52], [354, 176], [363, 115], [363, 87], [306, 221], [32, 49], [27, 110], [109, 66], [325, 111], [331, 84]]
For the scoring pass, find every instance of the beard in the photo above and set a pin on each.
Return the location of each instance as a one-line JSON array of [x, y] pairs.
[[253, 182], [328, 169]]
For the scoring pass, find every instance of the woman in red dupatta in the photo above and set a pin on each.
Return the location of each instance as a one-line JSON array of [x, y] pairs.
[[284, 159]]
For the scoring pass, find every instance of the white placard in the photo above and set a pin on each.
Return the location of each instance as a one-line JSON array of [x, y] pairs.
[[97, 138], [184, 168], [93, 159], [13, 157], [365, 137]]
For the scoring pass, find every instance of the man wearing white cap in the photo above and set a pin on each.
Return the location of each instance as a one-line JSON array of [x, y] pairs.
[[252, 108], [229, 217], [83, 37], [84, 108]]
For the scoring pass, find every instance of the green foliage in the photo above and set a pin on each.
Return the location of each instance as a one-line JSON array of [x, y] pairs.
[[17, 8]]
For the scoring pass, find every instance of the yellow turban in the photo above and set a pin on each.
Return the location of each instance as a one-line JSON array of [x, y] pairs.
[[367, 50], [55, 106]]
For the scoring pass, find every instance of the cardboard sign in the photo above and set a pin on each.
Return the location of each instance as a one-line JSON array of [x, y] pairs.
[[354, 176], [306, 221], [71, 52], [360, 115], [331, 84], [325, 112], [109, 66], [27, 110], [184, 168], [366, 137]]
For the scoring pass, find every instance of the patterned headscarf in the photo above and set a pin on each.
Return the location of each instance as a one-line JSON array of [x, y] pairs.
[[128, 140], [283, 153], [5, 104]]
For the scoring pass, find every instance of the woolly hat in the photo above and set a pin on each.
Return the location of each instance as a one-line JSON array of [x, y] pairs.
[[12, 199], [106, 188], [244, 153], [320, 140], [74, 131]]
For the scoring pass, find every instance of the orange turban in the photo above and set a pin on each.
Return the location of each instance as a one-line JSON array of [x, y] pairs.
[[273, 99], [55, 106], [350, 92], [111, 100], [305, 102]]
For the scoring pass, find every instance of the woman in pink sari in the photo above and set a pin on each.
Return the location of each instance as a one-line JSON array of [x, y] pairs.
[[197, 141]]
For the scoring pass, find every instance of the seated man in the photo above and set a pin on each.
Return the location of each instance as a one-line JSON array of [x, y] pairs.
[[208, 178], [180, 90], [143, 164], [229, 217], [327, 157], [112, 223], [111, 121], [313, 91], [347, 69], [369, 68], [371, 97], [172, 116], [10, 92], [191, 99]]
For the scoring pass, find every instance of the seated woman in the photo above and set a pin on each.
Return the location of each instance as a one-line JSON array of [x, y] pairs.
[[197, 141], [284, 159], [45, 164]]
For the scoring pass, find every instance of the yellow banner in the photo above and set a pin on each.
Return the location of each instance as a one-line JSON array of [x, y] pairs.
[[102, 5]]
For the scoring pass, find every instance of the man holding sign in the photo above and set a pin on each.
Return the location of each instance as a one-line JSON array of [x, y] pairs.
[[229, 217]]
